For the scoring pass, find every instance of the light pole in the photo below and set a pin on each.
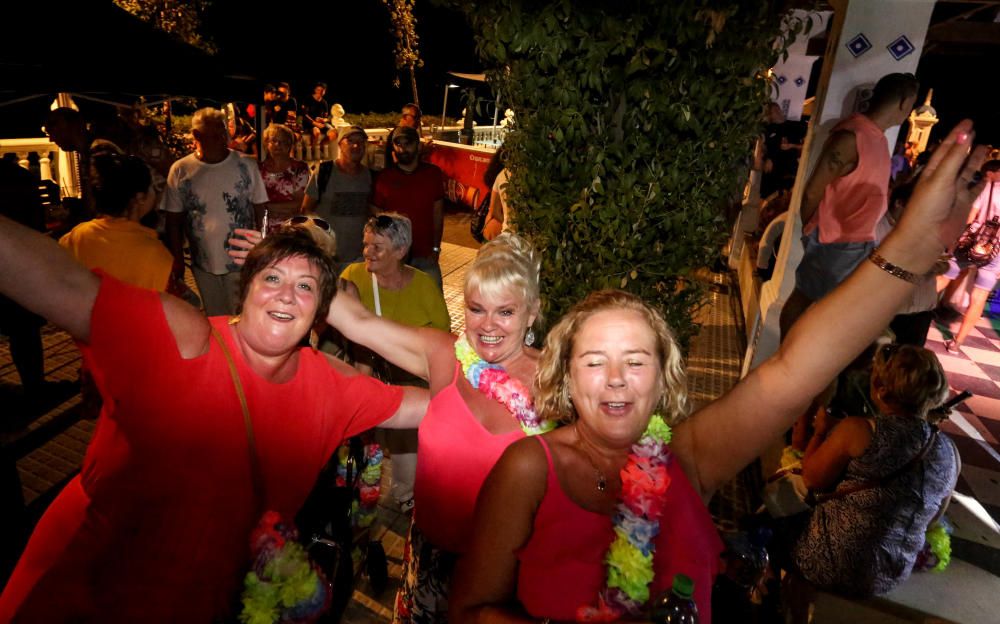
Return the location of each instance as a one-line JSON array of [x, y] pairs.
[[444, 107]]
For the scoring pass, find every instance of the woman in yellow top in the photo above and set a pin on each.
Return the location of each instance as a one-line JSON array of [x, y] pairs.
[[393, 289], [115, 241]]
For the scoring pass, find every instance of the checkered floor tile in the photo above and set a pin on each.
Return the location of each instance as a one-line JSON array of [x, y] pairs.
[[974, 425]]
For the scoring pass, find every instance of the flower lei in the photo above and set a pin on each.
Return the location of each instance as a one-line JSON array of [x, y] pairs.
[[283, 585], [370, 486], [636, 524], [493, 381]]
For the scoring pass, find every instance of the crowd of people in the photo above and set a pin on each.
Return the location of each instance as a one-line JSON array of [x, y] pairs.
[[561, 481]]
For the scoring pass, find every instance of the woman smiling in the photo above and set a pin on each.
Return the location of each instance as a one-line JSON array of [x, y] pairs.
[[481, 402]]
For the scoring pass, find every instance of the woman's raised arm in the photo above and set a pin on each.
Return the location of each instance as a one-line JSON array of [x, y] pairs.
[[730, 432], [42, 277], [410, 348]]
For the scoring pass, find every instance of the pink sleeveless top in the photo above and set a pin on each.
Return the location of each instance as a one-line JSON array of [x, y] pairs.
[[853, 204], [562, 565], [455, 453]]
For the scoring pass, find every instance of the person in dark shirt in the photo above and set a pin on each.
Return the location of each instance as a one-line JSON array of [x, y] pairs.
[[19, 200], [315, 115]]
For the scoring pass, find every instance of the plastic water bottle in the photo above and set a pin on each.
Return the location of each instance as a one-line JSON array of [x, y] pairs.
[[678, 606]]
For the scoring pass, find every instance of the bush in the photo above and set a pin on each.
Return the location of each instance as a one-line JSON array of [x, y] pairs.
[[633, 121]]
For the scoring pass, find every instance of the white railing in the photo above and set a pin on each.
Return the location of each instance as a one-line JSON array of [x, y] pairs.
[[65, 168]]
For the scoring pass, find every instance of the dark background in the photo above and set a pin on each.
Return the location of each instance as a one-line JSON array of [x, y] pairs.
[[92, 47]]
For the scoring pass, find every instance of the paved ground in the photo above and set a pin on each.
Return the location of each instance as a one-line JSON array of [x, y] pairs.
[[975, 428]]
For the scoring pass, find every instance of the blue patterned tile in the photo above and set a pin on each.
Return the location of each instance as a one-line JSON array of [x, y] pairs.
[[858, 45], [900, 48]]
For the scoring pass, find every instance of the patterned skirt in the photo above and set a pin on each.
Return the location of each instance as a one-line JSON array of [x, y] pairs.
[[423, 594]]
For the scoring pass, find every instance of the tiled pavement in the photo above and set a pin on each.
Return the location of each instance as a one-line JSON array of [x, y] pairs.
[[975, 428]]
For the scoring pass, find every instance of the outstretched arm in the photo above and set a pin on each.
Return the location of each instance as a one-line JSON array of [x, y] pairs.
[[729, 433], [410, 348], [42, 277]]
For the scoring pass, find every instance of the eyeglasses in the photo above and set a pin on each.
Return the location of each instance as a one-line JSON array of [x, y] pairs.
[[300, 219], [382, 223]]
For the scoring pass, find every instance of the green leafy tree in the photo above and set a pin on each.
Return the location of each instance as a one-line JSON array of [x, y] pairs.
[[177, 17], [633, 121], [407, 52]]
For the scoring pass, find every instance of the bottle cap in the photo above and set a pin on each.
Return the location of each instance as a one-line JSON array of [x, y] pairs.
[[683, 585]]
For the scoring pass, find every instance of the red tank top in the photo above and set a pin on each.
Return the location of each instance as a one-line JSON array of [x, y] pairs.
[[852, 205], [562, 565], [455, 453]]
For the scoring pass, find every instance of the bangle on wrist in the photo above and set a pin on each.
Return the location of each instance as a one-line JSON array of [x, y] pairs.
[[876, 258]]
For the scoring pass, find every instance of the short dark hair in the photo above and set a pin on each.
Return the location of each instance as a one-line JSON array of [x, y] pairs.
[[320, 84], [892, 89], [416, 109], [287, 243], [285, 85], [118, 179]]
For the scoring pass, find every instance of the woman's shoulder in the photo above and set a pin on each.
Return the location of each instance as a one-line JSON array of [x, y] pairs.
[[527, 458]]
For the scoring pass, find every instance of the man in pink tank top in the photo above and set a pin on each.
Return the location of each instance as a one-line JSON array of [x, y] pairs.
[[846, 195]]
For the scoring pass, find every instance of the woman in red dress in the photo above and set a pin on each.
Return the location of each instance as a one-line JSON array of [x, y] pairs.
[[156, 527]]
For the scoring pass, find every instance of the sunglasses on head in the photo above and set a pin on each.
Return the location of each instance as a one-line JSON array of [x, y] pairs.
[[382, 223], [318, 222]]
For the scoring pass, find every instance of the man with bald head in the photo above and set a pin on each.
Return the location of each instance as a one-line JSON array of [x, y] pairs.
[[209, 194]]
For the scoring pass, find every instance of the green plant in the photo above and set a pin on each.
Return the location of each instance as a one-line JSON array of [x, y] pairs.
[[181, 19], [632, 121]]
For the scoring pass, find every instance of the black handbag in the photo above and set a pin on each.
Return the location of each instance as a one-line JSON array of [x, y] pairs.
[[478, 221]]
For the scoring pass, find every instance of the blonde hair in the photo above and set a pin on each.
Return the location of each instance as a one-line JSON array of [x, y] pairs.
[[505, 263], [552, 398], [908, 378], [281, 130]]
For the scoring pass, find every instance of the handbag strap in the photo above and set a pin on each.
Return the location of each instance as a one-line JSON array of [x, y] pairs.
[[258, 481], [861, 486]]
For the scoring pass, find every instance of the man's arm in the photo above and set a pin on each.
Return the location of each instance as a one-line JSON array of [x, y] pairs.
[[175, 240], [438, 211], [839, 158]]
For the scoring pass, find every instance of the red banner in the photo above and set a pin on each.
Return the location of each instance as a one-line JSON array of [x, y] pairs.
[[463, 167]]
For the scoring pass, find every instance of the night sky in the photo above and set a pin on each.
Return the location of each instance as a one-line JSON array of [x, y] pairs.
[[348, 45]]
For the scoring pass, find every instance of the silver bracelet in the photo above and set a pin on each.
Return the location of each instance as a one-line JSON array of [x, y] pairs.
[[892, 269]]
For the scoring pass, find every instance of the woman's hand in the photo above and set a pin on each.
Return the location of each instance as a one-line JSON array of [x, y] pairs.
[[240, 247], [939, 207]]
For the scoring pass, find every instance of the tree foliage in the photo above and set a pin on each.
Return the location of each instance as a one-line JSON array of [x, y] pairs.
[[177, 17], [407, 52], [633, 119]]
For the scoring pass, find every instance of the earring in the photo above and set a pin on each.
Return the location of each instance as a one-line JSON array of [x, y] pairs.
[[234, 319], [529, 337]]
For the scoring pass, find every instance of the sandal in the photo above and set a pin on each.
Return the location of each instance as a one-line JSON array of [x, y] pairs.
[[952, 347]]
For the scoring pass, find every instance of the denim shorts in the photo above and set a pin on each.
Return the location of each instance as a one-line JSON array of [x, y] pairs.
[[825, 265]]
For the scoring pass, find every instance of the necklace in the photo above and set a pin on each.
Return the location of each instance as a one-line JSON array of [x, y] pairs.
[[496, 383], [636, 524], [602, 481]]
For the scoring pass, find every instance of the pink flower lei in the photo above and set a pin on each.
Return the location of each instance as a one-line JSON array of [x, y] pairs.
[[496, 383], [636, 524]]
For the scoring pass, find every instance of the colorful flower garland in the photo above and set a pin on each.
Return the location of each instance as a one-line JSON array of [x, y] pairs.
[[636, 525], [493, 381], [283, 585], [370, 486]]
